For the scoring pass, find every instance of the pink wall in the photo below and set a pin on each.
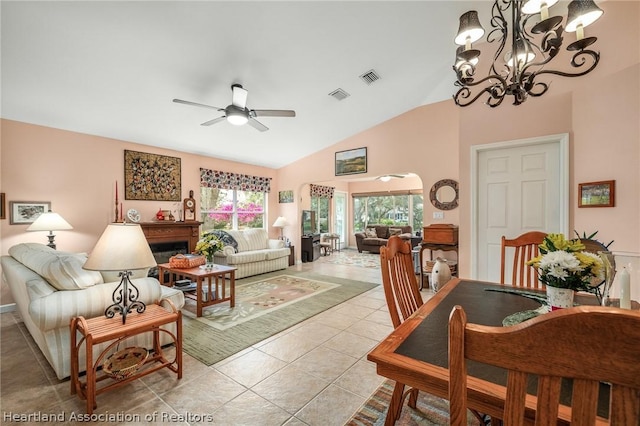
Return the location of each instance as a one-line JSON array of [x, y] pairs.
[[600, 111]]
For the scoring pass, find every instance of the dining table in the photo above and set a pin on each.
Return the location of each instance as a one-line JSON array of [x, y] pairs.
[[416, 352]]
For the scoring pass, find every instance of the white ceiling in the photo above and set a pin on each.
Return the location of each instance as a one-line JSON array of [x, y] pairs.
[[112, 69]]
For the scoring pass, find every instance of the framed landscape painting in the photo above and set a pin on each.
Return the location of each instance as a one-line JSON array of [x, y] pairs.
[[351, 162], [25, 212], [597, 194], [285, 196]]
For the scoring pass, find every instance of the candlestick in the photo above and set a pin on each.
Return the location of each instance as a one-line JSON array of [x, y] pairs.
[[117, 204], [625, 290], [121, 218]]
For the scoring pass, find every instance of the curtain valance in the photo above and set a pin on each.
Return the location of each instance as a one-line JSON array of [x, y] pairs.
[[321, 191], [226, 180]]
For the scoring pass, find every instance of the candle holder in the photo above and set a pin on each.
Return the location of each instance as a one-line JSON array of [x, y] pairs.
[[602, 292]]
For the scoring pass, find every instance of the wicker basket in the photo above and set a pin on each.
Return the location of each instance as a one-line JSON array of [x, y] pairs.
[[123, 364], [186, 261]]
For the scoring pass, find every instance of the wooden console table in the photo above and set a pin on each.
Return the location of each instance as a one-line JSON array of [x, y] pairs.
[[216, 289], [102, 329]]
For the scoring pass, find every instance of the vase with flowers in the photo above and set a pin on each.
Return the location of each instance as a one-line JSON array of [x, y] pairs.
[[208, 245], [564, 267]]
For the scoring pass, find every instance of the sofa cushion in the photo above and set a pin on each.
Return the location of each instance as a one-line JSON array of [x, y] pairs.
[[62, 270], [375, 241], [370, 233], [382, 231], [247, 257], [277, 253], [250, 239]]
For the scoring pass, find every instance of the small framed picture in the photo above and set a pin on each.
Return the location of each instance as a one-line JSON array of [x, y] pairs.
[[285, 197], [25, 212], [351, 162], [597, 194]]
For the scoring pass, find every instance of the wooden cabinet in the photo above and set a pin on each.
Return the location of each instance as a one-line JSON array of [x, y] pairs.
[[443, 237], [310, 247], [292, 256]]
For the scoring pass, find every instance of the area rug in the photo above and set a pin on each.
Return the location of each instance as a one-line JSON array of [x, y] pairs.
[[210, 344], [353, 258], [430, 410]]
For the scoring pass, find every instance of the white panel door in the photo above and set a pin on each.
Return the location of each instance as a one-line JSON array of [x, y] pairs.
[[520, 186]]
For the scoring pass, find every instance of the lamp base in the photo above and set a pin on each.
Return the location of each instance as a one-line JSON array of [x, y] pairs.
[[125, 298], [51, 237]]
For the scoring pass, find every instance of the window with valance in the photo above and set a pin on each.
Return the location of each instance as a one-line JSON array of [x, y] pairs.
[[232, 200], [321, 203], [321, 191]]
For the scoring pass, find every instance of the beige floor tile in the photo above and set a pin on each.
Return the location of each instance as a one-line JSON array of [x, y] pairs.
[[210, 392], [368, 302], [335, 319], [332, 407], [320, 332], [351, 344], [325, 363], [290, 388], [252, 368], [370, 329], [360, 379], [354, 310], [381, 316], [288, 348], [249, 409]]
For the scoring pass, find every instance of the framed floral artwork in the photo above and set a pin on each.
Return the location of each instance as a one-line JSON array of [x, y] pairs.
[[151, 177], [597, 194], [26, 212]]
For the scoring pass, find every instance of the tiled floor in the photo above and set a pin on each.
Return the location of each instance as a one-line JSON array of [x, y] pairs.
[[315, 373]]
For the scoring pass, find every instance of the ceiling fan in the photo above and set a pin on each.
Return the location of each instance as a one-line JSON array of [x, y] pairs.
[[387, 178], [238, 114]]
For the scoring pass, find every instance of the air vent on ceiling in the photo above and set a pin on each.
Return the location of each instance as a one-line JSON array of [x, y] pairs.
[[370, 76], [339, 94]]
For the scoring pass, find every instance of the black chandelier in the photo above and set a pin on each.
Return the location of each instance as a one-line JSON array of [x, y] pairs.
[[518, 77]]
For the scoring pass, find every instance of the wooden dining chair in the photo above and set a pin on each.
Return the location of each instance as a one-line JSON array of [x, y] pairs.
[[525, 248], [588, 344], [403, 299]]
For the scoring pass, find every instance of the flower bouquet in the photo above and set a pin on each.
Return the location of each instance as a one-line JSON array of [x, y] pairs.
[[207, 245], [563, 264]]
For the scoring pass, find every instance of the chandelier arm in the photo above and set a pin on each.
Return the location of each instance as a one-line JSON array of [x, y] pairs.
[[578, 61], [496, 91]]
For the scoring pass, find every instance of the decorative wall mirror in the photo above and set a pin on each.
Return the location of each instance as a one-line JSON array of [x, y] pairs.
[[444, 194]]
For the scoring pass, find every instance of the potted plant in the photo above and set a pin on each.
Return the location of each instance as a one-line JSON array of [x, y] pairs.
[[564, 267], [208, 245]]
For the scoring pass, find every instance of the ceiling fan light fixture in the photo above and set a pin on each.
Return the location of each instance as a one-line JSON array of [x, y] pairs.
[[236, 116]]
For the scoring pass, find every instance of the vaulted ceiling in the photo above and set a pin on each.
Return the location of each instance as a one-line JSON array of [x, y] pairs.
[[112, 69]]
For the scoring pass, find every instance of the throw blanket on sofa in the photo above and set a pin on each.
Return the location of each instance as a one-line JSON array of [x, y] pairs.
[[226, 238]]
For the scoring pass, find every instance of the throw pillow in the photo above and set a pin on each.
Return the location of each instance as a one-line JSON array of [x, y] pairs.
[[62, 270], [370, 233], [395, 231]]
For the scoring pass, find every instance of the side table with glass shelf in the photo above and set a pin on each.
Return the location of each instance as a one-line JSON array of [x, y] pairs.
[[94, 331]]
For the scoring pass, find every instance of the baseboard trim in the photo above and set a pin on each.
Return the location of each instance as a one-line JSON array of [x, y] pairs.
[[7, 308]]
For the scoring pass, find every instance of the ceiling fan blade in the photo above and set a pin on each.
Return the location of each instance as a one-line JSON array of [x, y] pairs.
[[180, 101], [273, 113], [257, 125], [239, 96], [214, 121]]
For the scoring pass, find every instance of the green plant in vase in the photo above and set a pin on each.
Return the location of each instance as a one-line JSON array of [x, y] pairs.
[[208, 245]]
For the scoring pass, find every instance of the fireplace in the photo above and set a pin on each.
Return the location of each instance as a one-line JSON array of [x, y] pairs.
[[167, 239]]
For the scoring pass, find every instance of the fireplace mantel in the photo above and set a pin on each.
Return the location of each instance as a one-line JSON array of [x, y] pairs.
[[164, 232]]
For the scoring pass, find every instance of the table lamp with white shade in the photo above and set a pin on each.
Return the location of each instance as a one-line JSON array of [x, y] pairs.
[[281, 222], [50, 221], [123, 248]]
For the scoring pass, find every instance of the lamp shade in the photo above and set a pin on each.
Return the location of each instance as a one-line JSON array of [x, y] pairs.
[[121, 247], [280, 222], [469, 28], [534, 6], [581, 12], [49, 221], [236, 115]]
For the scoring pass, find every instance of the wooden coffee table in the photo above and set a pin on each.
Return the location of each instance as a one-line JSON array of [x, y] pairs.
[[210, 283]]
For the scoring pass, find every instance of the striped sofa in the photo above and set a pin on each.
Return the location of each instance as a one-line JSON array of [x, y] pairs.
[[253, 253], [50, 287]]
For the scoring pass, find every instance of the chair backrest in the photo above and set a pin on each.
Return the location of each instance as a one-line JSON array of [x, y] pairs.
[[589, 344], [525, 248], [399, 279]]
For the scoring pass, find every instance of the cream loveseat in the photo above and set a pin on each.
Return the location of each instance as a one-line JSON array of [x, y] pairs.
[[50, 287], [252, 252]]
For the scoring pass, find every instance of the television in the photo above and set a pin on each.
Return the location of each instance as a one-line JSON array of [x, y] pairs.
[[308, 222]]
